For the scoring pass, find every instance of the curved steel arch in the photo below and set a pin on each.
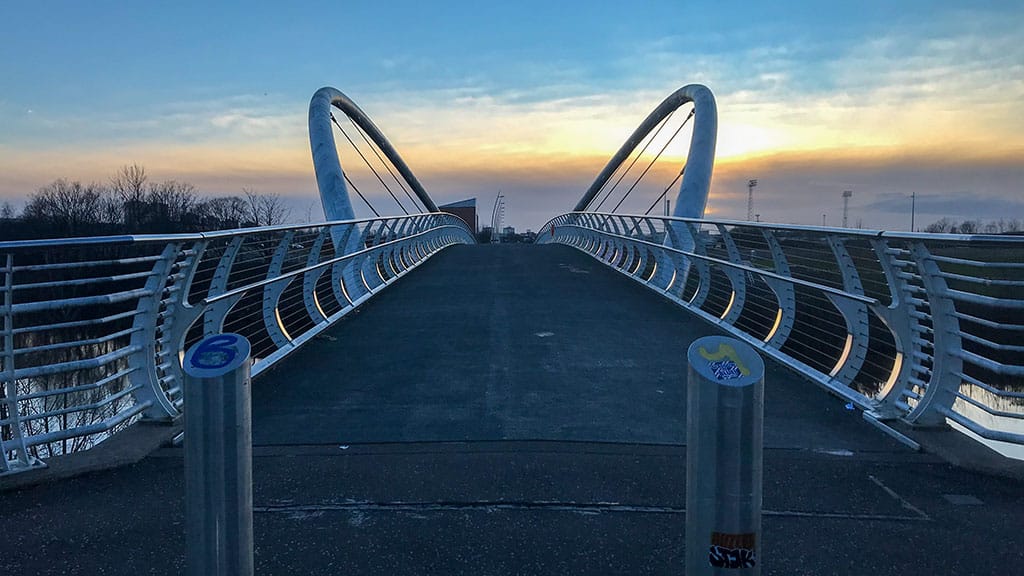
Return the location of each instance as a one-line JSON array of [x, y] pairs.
[[693, 191], [330, 178]]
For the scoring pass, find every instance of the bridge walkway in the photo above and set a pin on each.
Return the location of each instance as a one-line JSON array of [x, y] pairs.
[[520, 410]]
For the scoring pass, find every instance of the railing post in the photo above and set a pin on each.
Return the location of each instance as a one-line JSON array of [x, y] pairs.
[[218, 457], [146, 377], [724, 444], [272, 293], [946, 364], [855, 315], [907, 330], [9, 411], [737, 279], [311, 278], [698, 246], [785, 294]]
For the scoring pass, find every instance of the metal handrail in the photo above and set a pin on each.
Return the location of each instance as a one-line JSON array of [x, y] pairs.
[[193, 236], [861, 232], [743, 268], [93, 328], [911, 326]]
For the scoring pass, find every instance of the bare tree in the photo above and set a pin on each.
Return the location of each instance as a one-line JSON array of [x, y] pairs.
[[7, 211], [969, 227], [1001, 226], [1009, 225], [129, 186], [111, 210], [265, 209], [69, 208], [172, 204], [225, 211], [941, 226], [310, 210]]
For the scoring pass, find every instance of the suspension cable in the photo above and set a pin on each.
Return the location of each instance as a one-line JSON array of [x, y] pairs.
[[655, 159], [386, 165], [356, 188], [665, 191], [630, 167], [368, 165]]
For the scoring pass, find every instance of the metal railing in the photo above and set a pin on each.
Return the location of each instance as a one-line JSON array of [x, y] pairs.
[[921, 327], [94, 328]]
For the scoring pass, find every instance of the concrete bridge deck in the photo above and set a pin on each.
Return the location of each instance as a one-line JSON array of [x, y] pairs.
[[520, 410]]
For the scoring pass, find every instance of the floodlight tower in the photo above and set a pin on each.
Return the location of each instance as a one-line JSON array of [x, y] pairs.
[[913, 208], [750, 198], [846, 205]]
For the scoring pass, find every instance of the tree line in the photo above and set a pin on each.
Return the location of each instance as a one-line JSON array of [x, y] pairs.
[[131, 203], [952, 226]]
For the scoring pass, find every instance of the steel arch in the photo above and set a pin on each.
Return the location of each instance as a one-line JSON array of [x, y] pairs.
[[330, 178], [693, 191]]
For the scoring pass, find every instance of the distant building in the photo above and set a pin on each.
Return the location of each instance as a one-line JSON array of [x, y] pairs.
[[465, 209]]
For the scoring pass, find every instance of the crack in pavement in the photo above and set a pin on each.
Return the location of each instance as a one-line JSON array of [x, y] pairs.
[[573, 507]]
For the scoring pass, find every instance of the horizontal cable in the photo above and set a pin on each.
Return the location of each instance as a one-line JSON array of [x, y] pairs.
[[86, 264], [82, 281], [335, 260], [757, 271]]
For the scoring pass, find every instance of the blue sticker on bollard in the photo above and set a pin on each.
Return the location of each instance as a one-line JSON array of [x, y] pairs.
[[727, 361], [726, 370], [216, 355]]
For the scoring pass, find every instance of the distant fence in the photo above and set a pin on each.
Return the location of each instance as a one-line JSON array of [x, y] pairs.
[[921, 327], [94, 328]]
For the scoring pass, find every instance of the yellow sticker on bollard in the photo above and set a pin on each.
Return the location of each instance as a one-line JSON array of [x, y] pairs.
[[725, 361]]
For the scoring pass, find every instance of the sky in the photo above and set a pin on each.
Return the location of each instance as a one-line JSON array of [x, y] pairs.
[[530, 98]]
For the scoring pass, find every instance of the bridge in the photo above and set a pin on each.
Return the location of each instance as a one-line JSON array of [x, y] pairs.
[[426, 404]]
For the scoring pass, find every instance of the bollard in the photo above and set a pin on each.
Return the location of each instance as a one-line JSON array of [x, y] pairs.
[[724, 445], [218, 457]]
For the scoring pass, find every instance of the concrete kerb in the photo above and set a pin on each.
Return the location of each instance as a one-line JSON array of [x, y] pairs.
[[126, 447], [962, 451]]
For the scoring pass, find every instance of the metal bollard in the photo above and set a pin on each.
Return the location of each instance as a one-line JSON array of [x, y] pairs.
[[724, 445], [218, 457]]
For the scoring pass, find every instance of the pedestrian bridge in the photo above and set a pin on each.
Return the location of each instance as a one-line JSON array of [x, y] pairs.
[[426, 404]]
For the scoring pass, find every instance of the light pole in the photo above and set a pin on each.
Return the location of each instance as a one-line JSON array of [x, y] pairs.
[[846, 206], [750, 198], [913, 206]]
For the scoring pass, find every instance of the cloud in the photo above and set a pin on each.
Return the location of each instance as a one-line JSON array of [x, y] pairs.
[[235, 119], [956, 80]]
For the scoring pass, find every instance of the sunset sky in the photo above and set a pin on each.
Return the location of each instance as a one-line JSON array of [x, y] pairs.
[[880, 97]]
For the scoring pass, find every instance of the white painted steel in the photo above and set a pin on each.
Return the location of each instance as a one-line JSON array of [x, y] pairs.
[[921, 327], [693, 191], [94, 328], [329, 175]]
